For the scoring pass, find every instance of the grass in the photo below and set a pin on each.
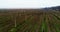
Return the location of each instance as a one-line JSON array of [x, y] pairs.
[[55, 24], [13, 30], [27, 21], [27, 24], [56, 16]]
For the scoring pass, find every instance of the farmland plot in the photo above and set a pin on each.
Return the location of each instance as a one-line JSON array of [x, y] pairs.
[[30, 22]]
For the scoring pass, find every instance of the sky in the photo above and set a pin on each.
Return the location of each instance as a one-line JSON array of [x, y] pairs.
[[28, 3]]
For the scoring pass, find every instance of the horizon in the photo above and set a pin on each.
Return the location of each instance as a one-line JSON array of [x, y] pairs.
[[28, 4]]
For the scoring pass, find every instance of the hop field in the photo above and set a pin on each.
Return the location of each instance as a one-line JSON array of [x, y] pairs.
[[30, 21]]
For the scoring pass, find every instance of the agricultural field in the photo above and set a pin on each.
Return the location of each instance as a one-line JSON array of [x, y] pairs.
[[29, 21]]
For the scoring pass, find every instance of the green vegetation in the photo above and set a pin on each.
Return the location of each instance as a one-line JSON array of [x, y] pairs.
[[31, 23]]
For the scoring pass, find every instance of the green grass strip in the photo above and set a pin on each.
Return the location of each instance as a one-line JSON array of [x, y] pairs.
[[44, 25]]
